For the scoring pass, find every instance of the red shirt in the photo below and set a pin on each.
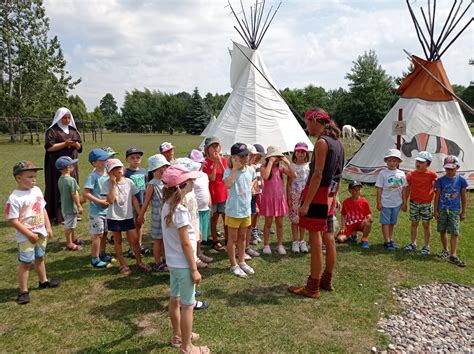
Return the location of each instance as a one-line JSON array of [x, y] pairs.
[[355, 211], [217, 187], [422, 186]]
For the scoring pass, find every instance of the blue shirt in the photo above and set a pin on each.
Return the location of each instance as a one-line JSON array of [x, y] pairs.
[[240, 194], [450, 188], [93, 182], [138, 178]]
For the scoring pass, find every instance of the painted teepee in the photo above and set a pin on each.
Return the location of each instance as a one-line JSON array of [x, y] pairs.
[[255, 111], [432, 119]]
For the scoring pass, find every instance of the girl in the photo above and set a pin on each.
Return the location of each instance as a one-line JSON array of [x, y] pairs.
[[157, 165], [273, 202], [238, 179], [120, 192], [180, 246], [294, 188]]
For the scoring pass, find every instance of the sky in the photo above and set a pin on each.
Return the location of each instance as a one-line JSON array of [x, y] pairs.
[[175, 45]]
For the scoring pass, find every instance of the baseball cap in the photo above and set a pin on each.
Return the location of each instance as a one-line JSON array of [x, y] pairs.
[[64, 161], [211, 140], [301, 146], [239, 149], [110, 151], [166, 146], [24, 166], [353, 184], [393, 153], [424, 156], [157, 161], [133, 150], [112, 163], [197, 156], [260, 149], [252, 149], [189, 164], [451, 161], [177, 174], [99, 154]]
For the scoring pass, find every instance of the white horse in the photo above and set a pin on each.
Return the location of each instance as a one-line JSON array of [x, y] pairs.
[[348, 131]]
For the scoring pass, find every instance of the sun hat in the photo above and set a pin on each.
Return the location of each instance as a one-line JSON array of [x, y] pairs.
[[188, 164], [260, 149], [239, 149], [166, 146], [177, 174], [64, 161], [24, 166], [424, 156], [112, 163], [99, 154], [301, 146], [133, 150], [393, 153], [451, 161], [157, 161], [273, 151], [252, 149], [353, 184], [197, 156], [211, 140]]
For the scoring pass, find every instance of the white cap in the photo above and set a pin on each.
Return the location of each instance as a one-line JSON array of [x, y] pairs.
[[393, 153], [110, 164]]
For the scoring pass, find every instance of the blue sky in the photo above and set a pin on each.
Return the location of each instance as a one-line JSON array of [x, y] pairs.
[[169, 45]]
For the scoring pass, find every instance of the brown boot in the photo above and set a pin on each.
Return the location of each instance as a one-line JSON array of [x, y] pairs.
[[310, 290], [326, 283]]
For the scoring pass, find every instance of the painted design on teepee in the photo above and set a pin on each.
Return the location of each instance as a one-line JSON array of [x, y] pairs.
[[433, 144]]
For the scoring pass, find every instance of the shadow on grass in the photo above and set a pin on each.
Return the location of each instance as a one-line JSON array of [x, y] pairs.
[[138, 280], [268, 295], [8, 294]]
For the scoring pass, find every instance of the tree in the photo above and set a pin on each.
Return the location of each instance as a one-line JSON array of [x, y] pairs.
[[109, 110], [97, 116], [77, 107], [467, 96], [197, 117]]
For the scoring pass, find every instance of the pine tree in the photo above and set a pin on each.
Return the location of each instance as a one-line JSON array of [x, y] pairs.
[[197, 117]]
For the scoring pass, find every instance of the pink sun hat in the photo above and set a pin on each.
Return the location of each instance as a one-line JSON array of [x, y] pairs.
[[177, 174]]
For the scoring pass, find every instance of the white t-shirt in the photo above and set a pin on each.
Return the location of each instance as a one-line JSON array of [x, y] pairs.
[[191, 204], [122, 208], [28, 207], [175, 257], [201, 190], [392, 183]]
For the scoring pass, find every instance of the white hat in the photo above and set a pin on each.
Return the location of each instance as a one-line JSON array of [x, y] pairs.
[[110, 164], [274, 151], [157, 161], [393, 153], [252, 149]]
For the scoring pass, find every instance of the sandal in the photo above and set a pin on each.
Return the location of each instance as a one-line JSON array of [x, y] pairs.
[[202, 349], [218, 247], [125, 270], [73, 248], [205, 258], [457, 261], [176, 340], [143, 266], [200, 264]]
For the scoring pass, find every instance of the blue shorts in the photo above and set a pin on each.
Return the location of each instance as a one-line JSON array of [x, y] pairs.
[[218, 208], [120, 225], [28, 252], [182, 286], [389, 216], [253, 205]]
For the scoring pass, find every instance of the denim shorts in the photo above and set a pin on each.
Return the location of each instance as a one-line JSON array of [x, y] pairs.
[[181, 285], [120, 225], [218, 208], [389, 216], [449, 221], [28, 252], [70, 221], [253, 205], [97, 225]]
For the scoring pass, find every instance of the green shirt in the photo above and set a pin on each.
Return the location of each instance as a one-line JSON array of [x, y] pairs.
[[67, 185]]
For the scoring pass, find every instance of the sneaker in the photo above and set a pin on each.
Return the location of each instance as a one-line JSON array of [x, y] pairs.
[[251, 252], [364, 244], [267, 250], [323, 248], [247, 257], [238, 272], [411, 247], [201, 305], [457, 261], [295, 247], [281, 250], [389, 247], [205, 258], [394, 245], [98, 263], [444, 254], [304, 247], [50, 283], [425, 250], [200, 264], [246, 268], [145, 251], [254, 239], [107, 258], [23, 298], [160, 267]]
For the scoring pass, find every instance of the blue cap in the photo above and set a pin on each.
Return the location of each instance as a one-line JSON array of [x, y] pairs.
[[424, 156], [99, 154], [64, 161]]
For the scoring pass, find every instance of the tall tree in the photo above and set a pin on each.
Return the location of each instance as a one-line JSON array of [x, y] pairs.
[[77, 107], [108, 107], [197, 116]]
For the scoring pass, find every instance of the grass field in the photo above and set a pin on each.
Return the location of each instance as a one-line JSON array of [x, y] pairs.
[[101, 310]]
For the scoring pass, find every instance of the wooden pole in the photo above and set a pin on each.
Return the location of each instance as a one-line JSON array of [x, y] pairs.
[[399, 137]]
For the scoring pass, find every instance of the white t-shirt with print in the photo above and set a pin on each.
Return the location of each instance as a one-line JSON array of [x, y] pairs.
[[122, 208], [392, 183]]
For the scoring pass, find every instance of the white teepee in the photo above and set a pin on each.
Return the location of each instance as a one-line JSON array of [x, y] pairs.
[[208, 127]]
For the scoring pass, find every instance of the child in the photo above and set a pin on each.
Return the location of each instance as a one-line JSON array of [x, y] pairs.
[[355, 216], [249, 251], [70, 203], [294, 188], [258, 188], [97, 208], [238, 180], [26, 211], [167, 149], [137, 174], [450, 207], [391, 188], [273, 202], [180, 246], [214, 167], [120, 192], [157, 165], [420, 191]]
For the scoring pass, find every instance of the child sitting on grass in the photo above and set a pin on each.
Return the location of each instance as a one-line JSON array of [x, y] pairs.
[[26, 211]]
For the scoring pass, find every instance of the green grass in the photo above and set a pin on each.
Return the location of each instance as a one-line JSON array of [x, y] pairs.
[[100, 310]]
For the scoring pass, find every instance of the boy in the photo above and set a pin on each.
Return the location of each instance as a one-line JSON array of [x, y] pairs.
[[167, 150], [257, 192], [355, 216], [420, 190], [70, 203], [450, 207], [26, 211], [97, 208], [137, 174]]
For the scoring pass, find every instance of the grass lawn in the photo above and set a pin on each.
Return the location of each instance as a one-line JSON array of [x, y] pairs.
[[101, 310]]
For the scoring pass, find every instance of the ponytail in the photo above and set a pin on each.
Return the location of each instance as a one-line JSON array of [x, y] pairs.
[[173, 196]]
